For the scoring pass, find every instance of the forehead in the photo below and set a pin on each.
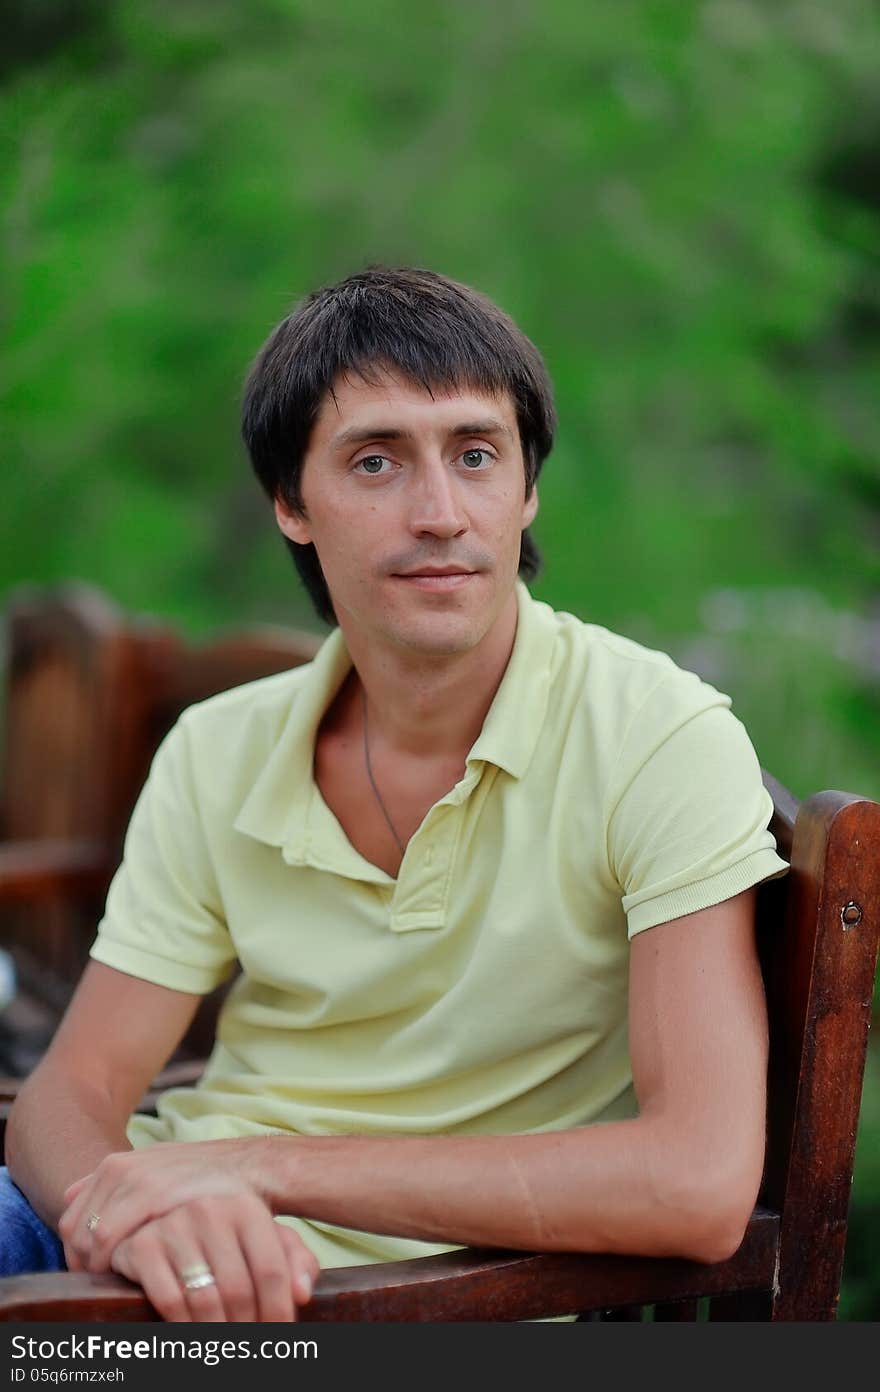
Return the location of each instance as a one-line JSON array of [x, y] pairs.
[[389, 399]]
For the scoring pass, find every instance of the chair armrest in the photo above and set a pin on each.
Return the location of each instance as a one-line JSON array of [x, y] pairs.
[[465, 1285], [32, 870]]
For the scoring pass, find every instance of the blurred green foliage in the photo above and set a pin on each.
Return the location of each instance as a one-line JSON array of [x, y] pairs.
[[679, 203]]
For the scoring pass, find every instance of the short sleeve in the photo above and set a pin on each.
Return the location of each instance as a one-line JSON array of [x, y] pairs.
[[163, 919], [688, 825]]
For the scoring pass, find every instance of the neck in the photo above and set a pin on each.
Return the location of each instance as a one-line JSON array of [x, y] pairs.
[[430, 709]]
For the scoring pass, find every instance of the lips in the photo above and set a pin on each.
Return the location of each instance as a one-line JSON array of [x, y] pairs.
[[432, 580], [417, 574]]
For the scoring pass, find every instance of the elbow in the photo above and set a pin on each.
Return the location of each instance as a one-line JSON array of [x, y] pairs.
[[707, 1221], [717, 1239]]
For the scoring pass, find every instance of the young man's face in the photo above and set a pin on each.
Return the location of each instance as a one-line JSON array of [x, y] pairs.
[[395, 483]]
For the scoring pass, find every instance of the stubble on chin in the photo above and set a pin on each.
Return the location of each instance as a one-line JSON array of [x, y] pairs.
[[434, 640]]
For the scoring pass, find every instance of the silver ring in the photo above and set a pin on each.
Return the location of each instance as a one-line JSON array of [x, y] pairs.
[[197, 1277], [92, 1221]]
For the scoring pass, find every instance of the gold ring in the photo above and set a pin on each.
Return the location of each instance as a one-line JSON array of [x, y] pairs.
[[197, 1277], [92, 1221]]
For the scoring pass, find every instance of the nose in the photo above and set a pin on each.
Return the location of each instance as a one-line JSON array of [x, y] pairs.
[[437, 506]]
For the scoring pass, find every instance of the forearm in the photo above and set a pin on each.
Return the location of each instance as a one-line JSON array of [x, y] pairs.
[[58, 1131], [604, 1188]]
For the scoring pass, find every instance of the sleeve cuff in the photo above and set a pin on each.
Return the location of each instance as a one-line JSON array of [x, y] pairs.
[[177, 975], [759, 865]]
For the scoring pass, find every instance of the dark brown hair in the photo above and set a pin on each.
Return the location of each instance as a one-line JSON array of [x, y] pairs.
[[431, 330]]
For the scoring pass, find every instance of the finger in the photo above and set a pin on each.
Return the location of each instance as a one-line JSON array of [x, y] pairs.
[[73, 1227], [75, 1188], [185, 1242], [143, 1260], [89, 1237], [72, 1261], [119, 1200], [304, 1265], [267, 1257], [205, 1303], [83, 1223], [223, 1254]]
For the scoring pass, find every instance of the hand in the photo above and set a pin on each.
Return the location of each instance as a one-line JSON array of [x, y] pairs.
[[133, 1187], [262, 1269]]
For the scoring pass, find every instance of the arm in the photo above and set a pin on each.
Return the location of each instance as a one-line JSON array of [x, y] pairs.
[[678, 1180], [117, 1033], [71, 1115]]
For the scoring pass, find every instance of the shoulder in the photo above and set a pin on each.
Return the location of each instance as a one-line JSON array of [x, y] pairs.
[[266, 699], [620, 685], [225, 740]]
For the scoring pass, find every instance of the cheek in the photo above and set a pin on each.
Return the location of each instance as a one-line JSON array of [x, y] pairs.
[[350, 539], [510, 515]]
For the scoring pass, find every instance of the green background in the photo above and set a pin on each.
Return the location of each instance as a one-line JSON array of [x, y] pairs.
[[679, 203]]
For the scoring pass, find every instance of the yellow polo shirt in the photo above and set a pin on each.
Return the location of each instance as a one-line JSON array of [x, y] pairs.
[[484, 989]]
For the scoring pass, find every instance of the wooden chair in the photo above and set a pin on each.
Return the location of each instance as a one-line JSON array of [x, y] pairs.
[[818, 931], [89, 694]]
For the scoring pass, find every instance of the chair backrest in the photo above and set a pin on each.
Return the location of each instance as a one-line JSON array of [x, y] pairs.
[[89, 696], [818, 932]]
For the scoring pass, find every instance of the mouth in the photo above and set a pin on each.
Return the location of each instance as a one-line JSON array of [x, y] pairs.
[[436, 580]]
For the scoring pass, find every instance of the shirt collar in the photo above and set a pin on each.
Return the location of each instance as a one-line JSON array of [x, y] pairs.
[[514, 720], [275, 810]]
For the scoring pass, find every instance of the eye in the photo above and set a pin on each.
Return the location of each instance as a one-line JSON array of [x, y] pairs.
[[473, 458], [370, 460]]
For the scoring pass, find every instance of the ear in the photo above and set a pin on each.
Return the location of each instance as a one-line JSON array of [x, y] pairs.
[[293, 524], [530, 507]]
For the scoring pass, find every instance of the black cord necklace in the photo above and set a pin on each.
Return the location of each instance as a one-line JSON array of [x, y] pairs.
[[372, 779]]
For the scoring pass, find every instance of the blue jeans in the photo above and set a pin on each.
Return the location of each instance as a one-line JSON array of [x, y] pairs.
[[26, 1244]]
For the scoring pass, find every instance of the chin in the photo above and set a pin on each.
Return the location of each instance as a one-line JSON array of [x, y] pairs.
[[437, 638]]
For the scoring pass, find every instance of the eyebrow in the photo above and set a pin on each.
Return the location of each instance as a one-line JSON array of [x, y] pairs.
[[359, 435]]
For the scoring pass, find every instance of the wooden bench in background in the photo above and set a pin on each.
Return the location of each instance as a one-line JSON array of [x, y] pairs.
[[90, 693]]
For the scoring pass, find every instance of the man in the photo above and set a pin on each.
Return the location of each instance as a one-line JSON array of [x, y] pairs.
[[488, 870]]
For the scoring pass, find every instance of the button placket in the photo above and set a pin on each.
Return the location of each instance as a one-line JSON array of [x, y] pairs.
[[420, 896]]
